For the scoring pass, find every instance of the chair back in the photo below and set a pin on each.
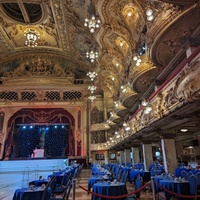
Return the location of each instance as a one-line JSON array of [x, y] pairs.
[[47, 191], [189, 174], [184, 174], [124, 177], [138, 185], [198, 178], [67, 190], [69, 187], [193, 184]]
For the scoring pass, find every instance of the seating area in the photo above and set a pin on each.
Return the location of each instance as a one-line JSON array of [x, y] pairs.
[[96, 182]]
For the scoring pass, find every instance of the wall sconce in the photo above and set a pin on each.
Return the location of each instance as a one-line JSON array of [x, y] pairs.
[[137, 59], [149, 14], [92, 23]]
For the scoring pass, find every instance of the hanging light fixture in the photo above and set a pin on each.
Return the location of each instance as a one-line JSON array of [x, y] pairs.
[[91, 98], [92, 55], [92, 23], [32, 37], [92, 88], [92, 75]]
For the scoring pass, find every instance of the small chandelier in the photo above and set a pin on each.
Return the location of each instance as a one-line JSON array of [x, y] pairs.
[[32, 36], [92, 88], [92, 55], [92, 75], [92, 23], [91, 98]]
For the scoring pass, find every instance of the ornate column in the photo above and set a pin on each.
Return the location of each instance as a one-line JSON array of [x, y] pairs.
[[127, 156], [122, 160], [2, 132], [135, 155], [169, 153], [147, 155], [106, 157]]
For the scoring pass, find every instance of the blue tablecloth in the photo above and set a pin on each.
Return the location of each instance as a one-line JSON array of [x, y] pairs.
[[177, 187], [26, 194], [135, 172], [92, 181], [157, 180], [109, 190]]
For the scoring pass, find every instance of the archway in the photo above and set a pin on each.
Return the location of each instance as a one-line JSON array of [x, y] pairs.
[[41, 124]]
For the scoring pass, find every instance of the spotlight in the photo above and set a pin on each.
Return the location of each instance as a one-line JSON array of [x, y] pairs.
[[55, 127], [31, 126], [24, 127]]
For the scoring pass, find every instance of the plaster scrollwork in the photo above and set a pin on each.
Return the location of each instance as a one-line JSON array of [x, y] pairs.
[[188, 84], [39, 67], [170, 99], [157, 107]]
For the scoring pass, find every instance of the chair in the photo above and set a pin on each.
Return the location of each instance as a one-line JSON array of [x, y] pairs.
[[189, 174], [60, 189], [193, 184], [66, 192], [184, 174], [198, 182], [124, 177], [138, 185]]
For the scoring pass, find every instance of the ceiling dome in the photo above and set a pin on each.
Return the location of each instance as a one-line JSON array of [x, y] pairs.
[[23, 13]]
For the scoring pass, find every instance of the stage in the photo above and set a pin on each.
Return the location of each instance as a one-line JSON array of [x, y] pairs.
[[39, 164], [32, 165]]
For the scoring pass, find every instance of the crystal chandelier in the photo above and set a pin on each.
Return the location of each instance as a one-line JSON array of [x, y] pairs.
[[92, 23], [91, 98], [32, 36], [92, 75], [92, 88], [92, 55]]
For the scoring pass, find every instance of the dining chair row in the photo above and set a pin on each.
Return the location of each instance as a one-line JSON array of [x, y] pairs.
[[62, 191]]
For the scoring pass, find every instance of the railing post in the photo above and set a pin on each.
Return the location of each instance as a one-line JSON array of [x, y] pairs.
[[73, 189], [153, 188]]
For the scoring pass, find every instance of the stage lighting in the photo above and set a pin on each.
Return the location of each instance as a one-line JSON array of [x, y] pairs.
[[63, 126], [24, 127], [31, 126], [55, 126]]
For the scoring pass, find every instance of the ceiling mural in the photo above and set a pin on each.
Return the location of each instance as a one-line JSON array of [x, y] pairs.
[[131, 45]]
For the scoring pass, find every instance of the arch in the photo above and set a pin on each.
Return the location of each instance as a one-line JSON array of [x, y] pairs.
[[40, 116]]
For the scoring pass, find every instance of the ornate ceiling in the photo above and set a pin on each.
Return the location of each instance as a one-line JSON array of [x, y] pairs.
[[123, 33]]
